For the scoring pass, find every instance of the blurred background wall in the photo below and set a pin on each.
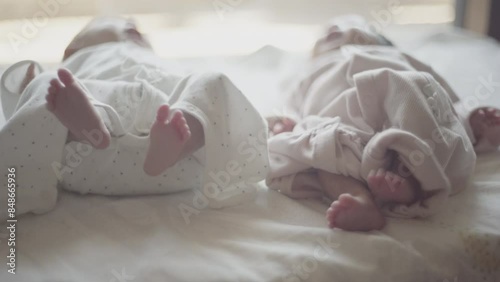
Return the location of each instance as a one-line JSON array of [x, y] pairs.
[[40, 29]]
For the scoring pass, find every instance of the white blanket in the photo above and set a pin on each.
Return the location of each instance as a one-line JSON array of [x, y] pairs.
[[356, 105], [129, 91]]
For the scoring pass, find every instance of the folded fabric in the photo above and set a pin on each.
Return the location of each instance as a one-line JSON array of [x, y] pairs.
[[357, 109]]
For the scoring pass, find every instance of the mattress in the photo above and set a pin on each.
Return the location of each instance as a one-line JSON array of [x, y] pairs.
[[275, 238]]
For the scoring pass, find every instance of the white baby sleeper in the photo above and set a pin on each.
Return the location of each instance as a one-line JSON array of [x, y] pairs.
[[31, 141], [127, 84], [357, 104]]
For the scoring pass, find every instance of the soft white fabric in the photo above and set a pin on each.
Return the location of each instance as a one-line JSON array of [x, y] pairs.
[[10, 84], [275, 238], [128, 92], [358, 104], [32, 154]]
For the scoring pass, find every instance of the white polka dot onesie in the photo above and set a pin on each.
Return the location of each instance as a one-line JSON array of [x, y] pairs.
[[127, 84]]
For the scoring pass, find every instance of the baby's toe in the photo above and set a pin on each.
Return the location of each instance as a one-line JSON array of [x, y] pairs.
[[381, 173], [187, 132], [481, 112], [334, 205], [376, 178], [490, 111], [179, 122], [495, 117], [346, 200], [329, 213], [55, 83], [51, 99], [393, 181], [177, 118], [162, 113], [65, 76], [332, 213], [52, 90]]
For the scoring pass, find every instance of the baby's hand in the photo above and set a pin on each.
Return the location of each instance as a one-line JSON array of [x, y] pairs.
[[279, 125], [485, 124]]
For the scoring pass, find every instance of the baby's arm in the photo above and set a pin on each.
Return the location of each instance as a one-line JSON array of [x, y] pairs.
[[280, 124]]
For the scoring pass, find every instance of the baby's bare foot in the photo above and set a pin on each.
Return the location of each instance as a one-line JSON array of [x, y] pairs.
[[387, 186], [166, 140], [485, 123], [354, 213], [69, 103]]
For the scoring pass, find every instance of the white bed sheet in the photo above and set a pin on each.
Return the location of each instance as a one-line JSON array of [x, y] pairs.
[[274, 238]]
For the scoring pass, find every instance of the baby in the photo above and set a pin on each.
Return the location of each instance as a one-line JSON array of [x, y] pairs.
[[174, 134], [149, 127], [356, 208], [359, 201], [170, 137]]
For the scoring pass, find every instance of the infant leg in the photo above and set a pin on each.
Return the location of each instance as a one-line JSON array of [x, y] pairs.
[[353, 208], [69, 103]]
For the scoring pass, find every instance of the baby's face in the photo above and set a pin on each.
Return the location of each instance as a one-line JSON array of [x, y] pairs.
[[98, 31]]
